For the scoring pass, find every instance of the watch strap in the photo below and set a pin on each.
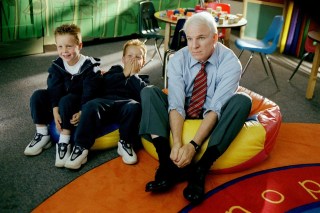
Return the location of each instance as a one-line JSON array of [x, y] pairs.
[[196, 146]]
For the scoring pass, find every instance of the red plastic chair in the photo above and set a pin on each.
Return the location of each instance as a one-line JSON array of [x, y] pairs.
[[224, 7], [309, 47]]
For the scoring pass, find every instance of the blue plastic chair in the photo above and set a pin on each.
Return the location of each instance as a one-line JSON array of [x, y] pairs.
[[264, 47]]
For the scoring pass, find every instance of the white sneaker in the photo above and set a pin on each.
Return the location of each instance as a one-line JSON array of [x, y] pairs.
[[38, 143], [77, 158], [126, 151], [62, 154]]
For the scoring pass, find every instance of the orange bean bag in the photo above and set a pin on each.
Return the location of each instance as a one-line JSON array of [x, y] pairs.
[[252, 145]]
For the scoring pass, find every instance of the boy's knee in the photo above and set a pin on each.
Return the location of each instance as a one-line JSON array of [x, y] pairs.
[[133, 107], [90, 106], [38, 95], [69, 101]]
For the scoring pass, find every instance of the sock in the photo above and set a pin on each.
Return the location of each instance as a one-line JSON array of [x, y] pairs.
[[42, 130], [64, 139], [163, 149], [166, 168], [209, 156]]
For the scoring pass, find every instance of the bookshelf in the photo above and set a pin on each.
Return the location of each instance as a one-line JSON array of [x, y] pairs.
[[259, 15]]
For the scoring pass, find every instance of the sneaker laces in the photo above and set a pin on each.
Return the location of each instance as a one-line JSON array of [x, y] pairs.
[[37, 137], [127, 147], [77, 151], [62, 150]]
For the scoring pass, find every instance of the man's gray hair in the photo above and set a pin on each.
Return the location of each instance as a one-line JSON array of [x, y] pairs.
[[202, 18]]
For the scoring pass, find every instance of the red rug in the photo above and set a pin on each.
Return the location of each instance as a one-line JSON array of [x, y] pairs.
[[274, 190], [116, 187]]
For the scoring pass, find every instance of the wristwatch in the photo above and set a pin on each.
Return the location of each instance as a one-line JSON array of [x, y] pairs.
[[196, 146]]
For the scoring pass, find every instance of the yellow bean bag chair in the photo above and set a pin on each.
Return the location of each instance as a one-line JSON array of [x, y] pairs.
[[251, 146], [107, 137]]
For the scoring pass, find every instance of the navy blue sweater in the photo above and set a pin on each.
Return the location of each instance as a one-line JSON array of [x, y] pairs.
[[116, 86], [60, 82]]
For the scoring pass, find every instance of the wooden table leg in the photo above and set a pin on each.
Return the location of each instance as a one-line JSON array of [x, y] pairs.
[[314, 72], [167, 36], [227, 37]]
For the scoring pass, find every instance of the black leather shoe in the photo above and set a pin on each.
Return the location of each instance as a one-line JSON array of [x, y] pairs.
[[163, 180], [167, 177], [194, 192], [159, 186], [184, 174]]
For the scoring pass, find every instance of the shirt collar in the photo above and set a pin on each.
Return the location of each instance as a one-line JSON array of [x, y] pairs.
[[211, 60]]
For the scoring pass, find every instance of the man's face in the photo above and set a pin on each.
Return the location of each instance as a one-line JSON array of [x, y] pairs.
[[200, 42]]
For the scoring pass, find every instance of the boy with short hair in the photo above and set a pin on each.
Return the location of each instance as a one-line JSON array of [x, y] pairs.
[[65, 94], [118, 102]]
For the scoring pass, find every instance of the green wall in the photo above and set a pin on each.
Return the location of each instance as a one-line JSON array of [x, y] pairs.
[[27, 25]]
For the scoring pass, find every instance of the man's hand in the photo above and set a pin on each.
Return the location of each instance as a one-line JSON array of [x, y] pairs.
[[182, 156]]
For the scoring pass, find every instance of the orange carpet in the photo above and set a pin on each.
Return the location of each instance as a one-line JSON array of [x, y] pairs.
[[116, 187]]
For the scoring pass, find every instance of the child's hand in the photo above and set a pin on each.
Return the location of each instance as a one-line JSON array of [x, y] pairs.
[[75, 118], [103, 72], [131, 67], [135, 67], [57, 118]]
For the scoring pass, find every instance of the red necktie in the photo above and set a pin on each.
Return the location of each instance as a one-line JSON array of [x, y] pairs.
[[198, 94]]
